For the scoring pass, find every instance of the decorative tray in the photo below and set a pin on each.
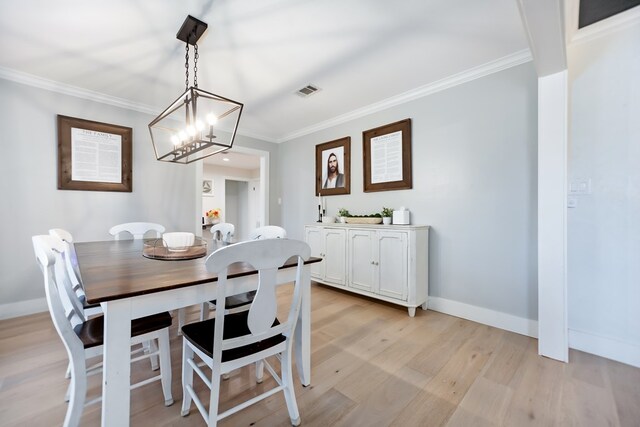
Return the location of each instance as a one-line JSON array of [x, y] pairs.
[[156, 249], [356, 220]]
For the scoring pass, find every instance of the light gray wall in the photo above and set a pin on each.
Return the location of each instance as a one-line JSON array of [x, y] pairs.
[[474, 181], [31, 204], [604, 228]]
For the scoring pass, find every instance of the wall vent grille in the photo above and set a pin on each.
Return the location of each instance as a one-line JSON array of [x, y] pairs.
[[307, 90]]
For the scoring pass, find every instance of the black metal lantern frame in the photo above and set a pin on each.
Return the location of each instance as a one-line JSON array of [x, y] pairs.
[[198, 124]]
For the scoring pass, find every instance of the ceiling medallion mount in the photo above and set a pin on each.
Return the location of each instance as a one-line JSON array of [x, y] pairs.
[[199, 123]]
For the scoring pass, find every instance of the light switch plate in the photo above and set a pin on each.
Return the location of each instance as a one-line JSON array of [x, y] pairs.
[[580, 186]]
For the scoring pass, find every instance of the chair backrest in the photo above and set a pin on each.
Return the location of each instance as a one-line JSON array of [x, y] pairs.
[[225, 230], [136, 229], [48, 250], [268, 232], [265, 256], [71, 257]]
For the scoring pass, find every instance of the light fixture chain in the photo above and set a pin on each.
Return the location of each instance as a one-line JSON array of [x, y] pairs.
[[186, 68], [195, 65]]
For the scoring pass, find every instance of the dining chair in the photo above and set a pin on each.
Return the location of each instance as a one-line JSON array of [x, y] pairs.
[[231, 341], [241, 301], [268, 232], [224, 230], [136, 229], [71, 261], [84, 338]]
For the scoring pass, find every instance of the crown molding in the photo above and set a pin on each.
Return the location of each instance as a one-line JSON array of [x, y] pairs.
[[474, 73], [65, 89], [89, 95], [603, 28], [480, 71]]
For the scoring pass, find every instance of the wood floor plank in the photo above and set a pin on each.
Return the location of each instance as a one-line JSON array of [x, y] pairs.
[[537, 391], [445, 391], [485, 403], [371, 365], [624, 382]]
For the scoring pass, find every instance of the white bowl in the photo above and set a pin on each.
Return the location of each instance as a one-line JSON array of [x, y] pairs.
[[178, 241], [328, 219]]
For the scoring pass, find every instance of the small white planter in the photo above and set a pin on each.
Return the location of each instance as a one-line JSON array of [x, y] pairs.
[[386, 220]]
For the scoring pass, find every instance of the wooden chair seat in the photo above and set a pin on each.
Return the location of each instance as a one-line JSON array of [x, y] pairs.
[[200, 334], [91, 332]]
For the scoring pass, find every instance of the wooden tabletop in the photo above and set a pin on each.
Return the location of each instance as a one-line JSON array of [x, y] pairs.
[[116, 269]]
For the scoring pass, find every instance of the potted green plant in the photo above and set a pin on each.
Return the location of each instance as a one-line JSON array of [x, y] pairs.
[[343, 214], [386, 215]]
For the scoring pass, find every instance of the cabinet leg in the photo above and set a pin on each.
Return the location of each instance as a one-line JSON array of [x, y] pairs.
[[412, 311], [424, 306]]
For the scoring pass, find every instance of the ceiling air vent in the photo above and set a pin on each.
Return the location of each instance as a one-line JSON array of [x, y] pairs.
[[307, 90]]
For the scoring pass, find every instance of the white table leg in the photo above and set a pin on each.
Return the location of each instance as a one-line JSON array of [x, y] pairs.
[[117, 367], [303, 331]]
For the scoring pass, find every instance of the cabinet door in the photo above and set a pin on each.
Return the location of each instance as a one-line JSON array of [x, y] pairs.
[[392, 264], [314, 239], [362, 270], [335, 255]]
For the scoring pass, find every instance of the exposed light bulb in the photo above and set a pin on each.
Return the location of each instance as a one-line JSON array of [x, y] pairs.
[[175, 139], [212, 119], [191, 131], [199, 125]]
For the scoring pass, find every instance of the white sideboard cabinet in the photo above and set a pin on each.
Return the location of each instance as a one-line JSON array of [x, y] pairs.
[[331, 245], [386, 262]]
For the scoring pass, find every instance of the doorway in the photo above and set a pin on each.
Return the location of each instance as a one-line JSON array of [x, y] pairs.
[[240, 188]]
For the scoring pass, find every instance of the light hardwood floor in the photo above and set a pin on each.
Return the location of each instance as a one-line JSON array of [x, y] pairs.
[[372, 365]]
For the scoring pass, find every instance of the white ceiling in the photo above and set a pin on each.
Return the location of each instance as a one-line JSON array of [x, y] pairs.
[[359, 52], [233, 159]]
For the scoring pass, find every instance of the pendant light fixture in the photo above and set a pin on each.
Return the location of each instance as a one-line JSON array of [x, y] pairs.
[[199, 123]]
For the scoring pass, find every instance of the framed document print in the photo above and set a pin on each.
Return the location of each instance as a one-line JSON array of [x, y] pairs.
[[207, 187], [386, 152], [93, 156], [333, 167]]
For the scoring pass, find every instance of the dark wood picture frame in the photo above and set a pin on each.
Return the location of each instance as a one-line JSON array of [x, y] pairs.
[[323, 152], [65, 165], [405, 181]]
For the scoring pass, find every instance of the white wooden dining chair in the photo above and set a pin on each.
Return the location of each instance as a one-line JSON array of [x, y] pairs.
[[223, 230], [268, 232], [136, 229], [71, 261], [231, 341], [241, 302], [83, 338]]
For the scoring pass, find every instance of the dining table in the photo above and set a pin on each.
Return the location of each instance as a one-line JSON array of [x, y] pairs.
[[128, 285]]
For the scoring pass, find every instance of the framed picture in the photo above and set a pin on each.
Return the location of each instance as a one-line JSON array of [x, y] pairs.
[[386, 153], [207, 187], [333, 167], [93, 156]]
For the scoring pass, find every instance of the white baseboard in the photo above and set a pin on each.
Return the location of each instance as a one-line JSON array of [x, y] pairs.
[[23, 308], [485, 316], [606, 347]]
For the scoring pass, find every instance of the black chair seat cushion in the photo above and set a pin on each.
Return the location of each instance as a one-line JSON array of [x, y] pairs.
[[91, 333], [235, 301], [200, 334]]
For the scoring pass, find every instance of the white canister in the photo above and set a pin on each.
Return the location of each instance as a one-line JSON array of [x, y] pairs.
[[401, 216]]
